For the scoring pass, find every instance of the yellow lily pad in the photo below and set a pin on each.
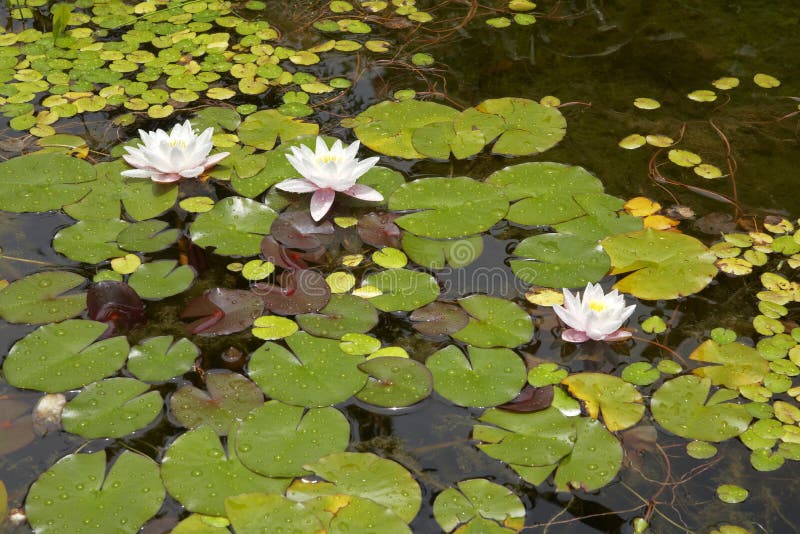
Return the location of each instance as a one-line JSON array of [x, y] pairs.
[[619, 401], [340, 282], [646, 103], [702, 95], [766, 81], [684, 158], [550, 101], [659, 222], [270, 327], [659, 140], [726, 83], [543, 296], [632, 141], [367, 292], [642, 206], [735, 266], [708, 171], [390, 258], [126, 264]]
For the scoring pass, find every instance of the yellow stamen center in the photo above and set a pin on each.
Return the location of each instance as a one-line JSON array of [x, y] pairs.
[[597, 305], [178, 142]]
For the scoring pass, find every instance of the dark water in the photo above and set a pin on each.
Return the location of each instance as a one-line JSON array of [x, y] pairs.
[[600, 56]]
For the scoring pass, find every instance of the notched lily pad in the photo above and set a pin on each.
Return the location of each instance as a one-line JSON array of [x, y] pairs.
[[234, 227], [43, 182], [223, 311], [111, 408], [494, 322], [395, 382], [229, 396], [43, 298], [160, 279], [619, 401], [486, 377], [276, 439], [403, 289], [342, 315], [160, 358], [128, 494], [478, 498], [560, 260], [62, 356]]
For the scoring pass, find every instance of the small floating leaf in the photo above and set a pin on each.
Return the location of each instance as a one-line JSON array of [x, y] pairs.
[[160, 358], [632, 142], [270, 327], [684, 158], [766, 81], [725, 83], [402, 289], [395, 382], [160, 279], [732, 494], [342, 315], [478, 498], [702, 95], [646, 103], [707, 171]]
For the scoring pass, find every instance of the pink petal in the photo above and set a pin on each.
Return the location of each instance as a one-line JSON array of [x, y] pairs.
[[364, 192], [321, 202], [192, 173], [297, 186], [215, 158], [574, 336], [618, 335], [166, 178]]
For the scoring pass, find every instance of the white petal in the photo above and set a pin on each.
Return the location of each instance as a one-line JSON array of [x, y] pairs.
[[321, 202], [297, 186], [364, 192]]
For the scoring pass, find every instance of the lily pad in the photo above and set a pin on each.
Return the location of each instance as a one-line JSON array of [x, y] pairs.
[[230, 396], [619, 402], [111, 408], [403, 289], [223, 311], [234, 227], [530, 127], [202, 524], [362, 474], [160, 279], [200, 475], [261, 512], [602, 216], [302, 291], [560, 260], [62, 356], [395, 382], [536, 439], [681, 406], [263, 128], [388, 127], [342, 315], [478, 498], [438, 318], [43, 182], [121, 499], [594, 461], [435, 254], [43, 298], [147, 236], [315, 373], [350, 513], [739, 365], [487, 377], [160, 358], [494, 322], [664, 265], [448, 207], [90, 241], [543, 192], [277, 440]]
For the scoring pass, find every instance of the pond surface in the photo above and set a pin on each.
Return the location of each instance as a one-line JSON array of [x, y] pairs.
[[596, 59]]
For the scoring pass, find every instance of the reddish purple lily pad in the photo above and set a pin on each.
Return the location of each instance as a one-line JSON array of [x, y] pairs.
[[296, 229], [379, 230], [439, 318], [530, 399], [116, 304], [289, 258], [16, 425], [229, 396], [303, 291], [223, 311]]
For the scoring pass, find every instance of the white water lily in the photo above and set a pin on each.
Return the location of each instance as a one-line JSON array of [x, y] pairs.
[[326, 172], [167, 158], [595, 316]]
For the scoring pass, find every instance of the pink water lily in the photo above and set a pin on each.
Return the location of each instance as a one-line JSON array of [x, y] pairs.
[[326, 172], [596, 316], [167, 158]]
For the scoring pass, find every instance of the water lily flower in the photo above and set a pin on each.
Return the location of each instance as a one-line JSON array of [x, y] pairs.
[[326, 172], [167, 158], [595, 316]]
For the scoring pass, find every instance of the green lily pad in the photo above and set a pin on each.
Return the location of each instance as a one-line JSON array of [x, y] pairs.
[[62, 356], [147, 236], [260, 512], [90, 241], [395, 382], [700, 450], [257, 173], [448, 207], [619, 402], [161, 279], [640, 374], [234, 227], [403, 289], [435, 254], [530, 127], [594, 461], [202, 524], [342, 315], [732, 494], [43, 298], [120, 500], [602, 216], [350, 513], [494, 322], [487, 377], [111, 408], [478, 498], [142, 199], [277, 440], [560, 260], [362, 474], [739, 365], [262, 129], [536, 439], [158, 359], [681, 407], [388, 127], [664, 265], [543, 192], [315, 373], [43, 182], [200, 475], [230, 396]]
